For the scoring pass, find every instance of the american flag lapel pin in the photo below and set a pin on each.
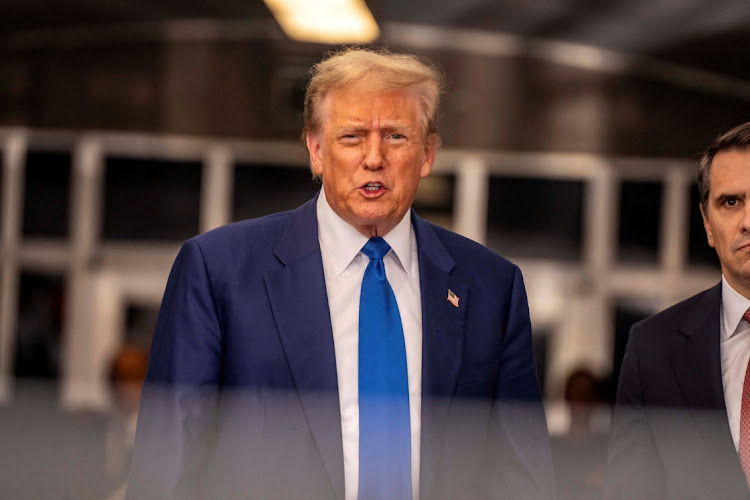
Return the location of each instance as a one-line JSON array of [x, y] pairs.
[[452, 298]]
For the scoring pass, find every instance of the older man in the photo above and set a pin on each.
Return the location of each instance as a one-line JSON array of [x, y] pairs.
[[348, 348], [682, 422]]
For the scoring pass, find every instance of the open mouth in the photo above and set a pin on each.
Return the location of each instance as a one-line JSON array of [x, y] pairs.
[[372, 187]]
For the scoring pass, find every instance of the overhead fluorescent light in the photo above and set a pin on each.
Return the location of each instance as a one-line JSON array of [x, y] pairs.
[[326, 21]]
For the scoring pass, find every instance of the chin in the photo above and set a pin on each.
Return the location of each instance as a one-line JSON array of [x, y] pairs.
[[372, 217], [370, 222]]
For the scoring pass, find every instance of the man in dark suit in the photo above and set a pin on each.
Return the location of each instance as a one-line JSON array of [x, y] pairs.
[[682, 418], [256, 381]]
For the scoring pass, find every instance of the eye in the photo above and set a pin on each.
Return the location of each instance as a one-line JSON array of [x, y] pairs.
[[731, 202], [349, 138]]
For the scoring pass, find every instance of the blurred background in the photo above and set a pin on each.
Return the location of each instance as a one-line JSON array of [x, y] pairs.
[[570, 133]]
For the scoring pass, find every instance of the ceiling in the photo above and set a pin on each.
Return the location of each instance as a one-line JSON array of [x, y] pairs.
[[706, 34]]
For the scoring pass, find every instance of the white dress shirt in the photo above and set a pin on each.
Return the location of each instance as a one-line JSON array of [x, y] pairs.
[[344, 265], [735, 353]]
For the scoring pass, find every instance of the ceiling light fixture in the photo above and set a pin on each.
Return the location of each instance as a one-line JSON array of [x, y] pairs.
[[325, 21]]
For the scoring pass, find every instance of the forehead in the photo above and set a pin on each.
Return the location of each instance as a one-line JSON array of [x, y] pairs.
[[730, 170], [361, 104]]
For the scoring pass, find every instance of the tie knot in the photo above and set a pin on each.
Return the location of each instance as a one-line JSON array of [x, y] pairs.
[[746, 316], [376, 248]]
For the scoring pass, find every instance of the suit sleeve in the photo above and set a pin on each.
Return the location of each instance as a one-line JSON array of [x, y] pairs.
[[518, 433], [634, 469], [179, 397]]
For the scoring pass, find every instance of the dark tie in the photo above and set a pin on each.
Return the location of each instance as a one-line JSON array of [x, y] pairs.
[[384, 431], [744, 447]]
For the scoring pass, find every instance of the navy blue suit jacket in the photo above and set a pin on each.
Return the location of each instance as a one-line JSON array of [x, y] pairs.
[[670, 435], [241, 395]]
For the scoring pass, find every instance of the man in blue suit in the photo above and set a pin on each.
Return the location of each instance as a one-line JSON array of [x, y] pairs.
[[255, 381]]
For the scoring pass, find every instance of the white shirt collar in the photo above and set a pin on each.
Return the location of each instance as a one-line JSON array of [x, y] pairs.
[[343, 242], [733, 306]]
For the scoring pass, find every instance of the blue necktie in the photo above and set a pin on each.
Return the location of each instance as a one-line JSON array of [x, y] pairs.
[[384, 431]]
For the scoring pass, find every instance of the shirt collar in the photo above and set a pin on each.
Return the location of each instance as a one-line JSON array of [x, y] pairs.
[[343, 243], [733, 306]]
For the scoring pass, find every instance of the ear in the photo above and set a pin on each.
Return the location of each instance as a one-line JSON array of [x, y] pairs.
[[430, 150], [313, 148], [707, 227]]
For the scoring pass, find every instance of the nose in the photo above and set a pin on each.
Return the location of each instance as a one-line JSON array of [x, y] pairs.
[[746, 218], [374, 152]]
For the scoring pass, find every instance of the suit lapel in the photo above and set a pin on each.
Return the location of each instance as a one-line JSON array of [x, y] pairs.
[[297, 293], [300, 305], [697, 367], [698, 364], [442, 344]]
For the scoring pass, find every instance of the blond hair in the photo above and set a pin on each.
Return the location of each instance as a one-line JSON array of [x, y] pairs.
[[375, 70]]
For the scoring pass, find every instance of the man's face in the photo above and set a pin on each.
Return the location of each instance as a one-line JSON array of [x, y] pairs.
[[727, 218], [371, 152]]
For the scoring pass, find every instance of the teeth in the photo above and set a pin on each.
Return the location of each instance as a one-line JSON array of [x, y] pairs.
[[373, 186]]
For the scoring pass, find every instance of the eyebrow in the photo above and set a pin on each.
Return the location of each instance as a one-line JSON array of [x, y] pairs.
[[388, 125], [729, 196], [356, 125]]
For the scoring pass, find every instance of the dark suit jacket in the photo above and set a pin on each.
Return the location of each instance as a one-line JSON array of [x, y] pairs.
[[241, 397], [670, 436]]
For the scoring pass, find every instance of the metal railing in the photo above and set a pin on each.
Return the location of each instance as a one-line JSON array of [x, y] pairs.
[[571, 300]]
